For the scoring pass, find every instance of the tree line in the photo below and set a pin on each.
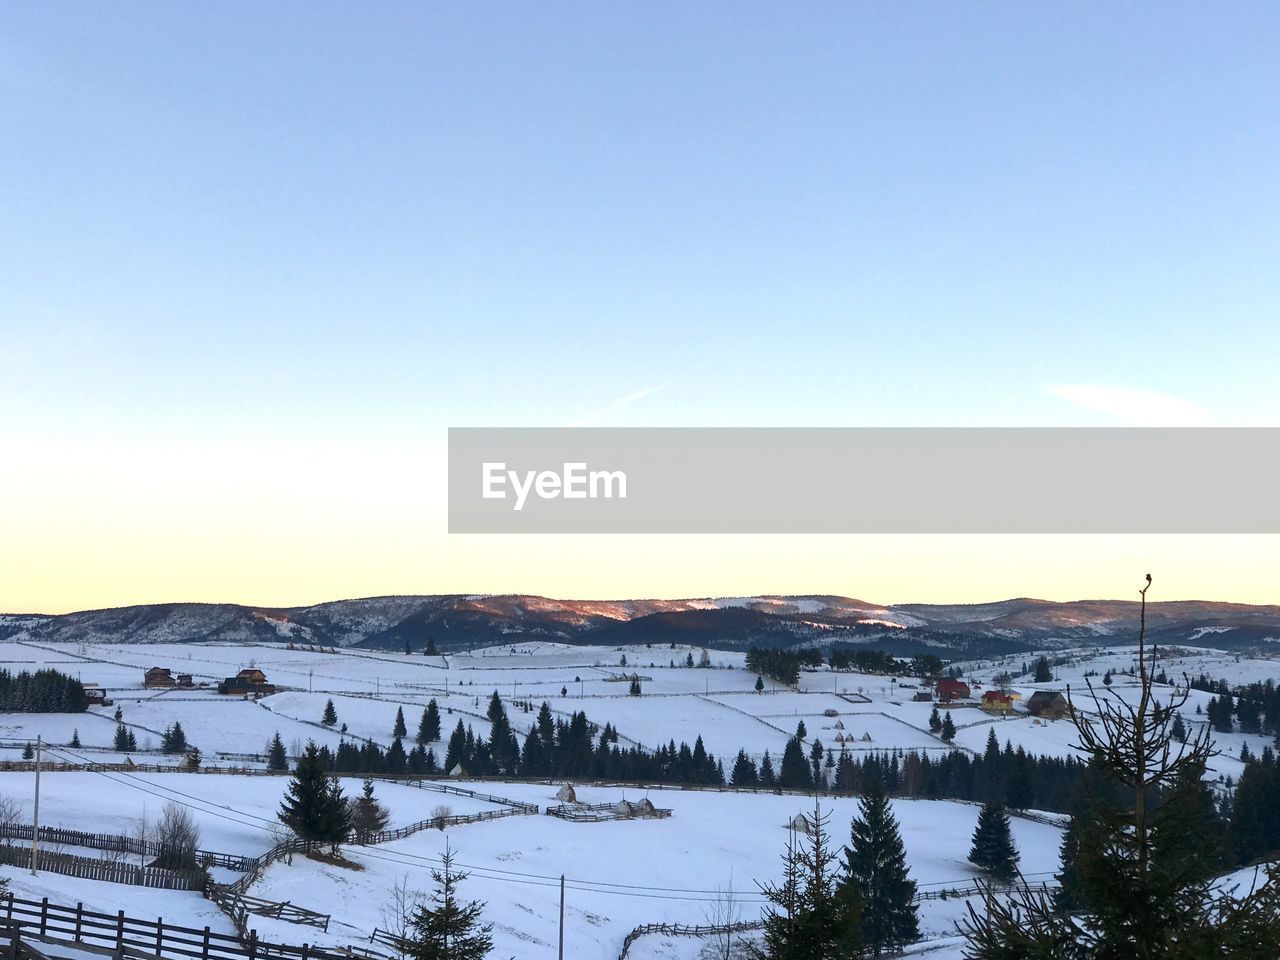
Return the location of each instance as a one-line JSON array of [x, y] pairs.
[[45, 691]]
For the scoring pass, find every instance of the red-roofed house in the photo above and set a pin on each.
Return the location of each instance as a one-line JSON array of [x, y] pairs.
[[950, 689]]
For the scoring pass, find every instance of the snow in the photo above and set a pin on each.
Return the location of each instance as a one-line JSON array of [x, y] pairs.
[[713, 838]]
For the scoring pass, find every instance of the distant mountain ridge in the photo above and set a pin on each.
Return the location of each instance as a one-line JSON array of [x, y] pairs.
[[461, 620]]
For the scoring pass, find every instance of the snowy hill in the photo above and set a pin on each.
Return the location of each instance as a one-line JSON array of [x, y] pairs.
[[460, 620]]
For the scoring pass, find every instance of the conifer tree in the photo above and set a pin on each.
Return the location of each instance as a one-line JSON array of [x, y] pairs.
[[1138, 888], [399, 729], [1044, 673], [935, 721], [445, 928], [429, 725], [368, 816], [75, 739], [812, 915], [277, 759], [795, 770], [948, 728], [876, 868], [744, 771], [28, 752], [759, 684], [314, 807], [767, 776], [993, 851], [330, 716]]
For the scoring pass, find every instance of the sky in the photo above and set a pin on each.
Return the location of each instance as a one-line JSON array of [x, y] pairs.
[[255, 262]]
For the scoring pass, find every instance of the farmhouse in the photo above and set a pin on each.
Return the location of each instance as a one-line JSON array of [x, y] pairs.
[[96, 695], [949, 689], [251, 681], [158, 677], [993, 701], [1050, 704]]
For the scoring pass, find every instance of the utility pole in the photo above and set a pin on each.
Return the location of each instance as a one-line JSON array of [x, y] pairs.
[[562, 916], [35, 814]]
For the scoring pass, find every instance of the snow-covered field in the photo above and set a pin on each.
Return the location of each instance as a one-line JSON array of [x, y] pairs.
[[618, 874]]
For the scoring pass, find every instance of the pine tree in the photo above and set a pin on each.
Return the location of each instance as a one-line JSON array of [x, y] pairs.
[[330, 716], [759, 684], [876, 867], [277, 759], [368, 816], [813, 916], [399, 730], [948, 728], [28, 752], [429, 725], [75, 739], [935, 721], [993, 851], [767, 776], [795, 770], [1137, 886], [445, 928], [744, 771], [1044, 673], [314, 807], [1179, 730]]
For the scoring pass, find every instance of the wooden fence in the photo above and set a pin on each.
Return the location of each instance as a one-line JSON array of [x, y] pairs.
[[438, 823], [126, 936], [93, 868], [685, 930], [119, 844]]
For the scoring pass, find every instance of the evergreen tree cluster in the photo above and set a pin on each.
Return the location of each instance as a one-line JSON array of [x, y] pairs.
[[1255, 810], [174, 740], [45, 691], [782, 666], [124, 741], [856, 905]]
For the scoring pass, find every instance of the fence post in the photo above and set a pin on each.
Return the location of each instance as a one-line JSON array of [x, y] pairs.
[[159, 934], [253, 944], [79, 918], [204, 949], [120, 933], [44, 915]]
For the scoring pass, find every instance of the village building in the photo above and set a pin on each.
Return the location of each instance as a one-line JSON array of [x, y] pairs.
[[158, 677], [949, 689], [1049, 704], [994, 701], [250, 682]]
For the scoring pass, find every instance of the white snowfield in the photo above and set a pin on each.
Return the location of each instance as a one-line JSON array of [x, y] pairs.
[[619, 874]]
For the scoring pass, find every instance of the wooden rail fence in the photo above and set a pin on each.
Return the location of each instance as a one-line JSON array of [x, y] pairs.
[[119, 844], [130, 937], [685, 930], [94, 868]]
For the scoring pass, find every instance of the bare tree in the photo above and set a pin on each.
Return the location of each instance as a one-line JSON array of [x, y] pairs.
[[724, 912], [396, 914], [10, 817], [440, 815], [142, 835], [178, 838]]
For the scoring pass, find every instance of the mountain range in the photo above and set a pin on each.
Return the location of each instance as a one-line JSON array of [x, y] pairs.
[[459, 621]]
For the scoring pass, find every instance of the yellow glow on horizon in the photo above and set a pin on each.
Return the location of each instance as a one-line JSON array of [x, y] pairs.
[[279, 526]]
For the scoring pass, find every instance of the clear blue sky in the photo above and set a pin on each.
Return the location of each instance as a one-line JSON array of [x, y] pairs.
[[349, 221]]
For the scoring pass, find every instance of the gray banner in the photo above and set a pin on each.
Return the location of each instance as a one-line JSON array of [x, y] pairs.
[[864, 480]]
